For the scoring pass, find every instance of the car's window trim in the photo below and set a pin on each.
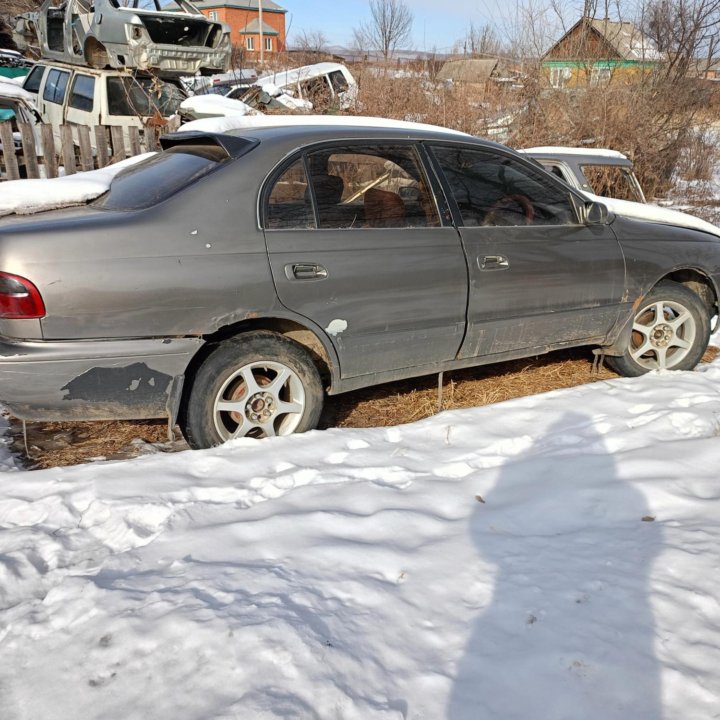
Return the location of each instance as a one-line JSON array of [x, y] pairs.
[[60, 73], [272, 177], [40, 70], [80, 77], [578, 198]]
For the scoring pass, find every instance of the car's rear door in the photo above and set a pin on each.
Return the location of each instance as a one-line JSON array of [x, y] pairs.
[[538, 276], [361, 251]]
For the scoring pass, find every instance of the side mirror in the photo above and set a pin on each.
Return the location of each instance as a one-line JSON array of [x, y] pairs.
[[596, 214]]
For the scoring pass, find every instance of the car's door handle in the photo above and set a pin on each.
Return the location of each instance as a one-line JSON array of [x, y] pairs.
[[493, 262], [305, 271]]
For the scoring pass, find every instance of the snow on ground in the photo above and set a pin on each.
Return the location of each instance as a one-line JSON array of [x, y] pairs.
[[548, 557]]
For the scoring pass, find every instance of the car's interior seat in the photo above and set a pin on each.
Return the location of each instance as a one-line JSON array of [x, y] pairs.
[[332, 213], [384, 209]]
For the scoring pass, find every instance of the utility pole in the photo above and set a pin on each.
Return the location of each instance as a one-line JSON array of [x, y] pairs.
[[262, 40]]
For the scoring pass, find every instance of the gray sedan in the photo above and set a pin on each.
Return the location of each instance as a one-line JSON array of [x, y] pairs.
[[232, 280]]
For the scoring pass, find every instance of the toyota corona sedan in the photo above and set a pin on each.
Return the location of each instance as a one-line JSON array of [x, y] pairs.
[[232, 280]]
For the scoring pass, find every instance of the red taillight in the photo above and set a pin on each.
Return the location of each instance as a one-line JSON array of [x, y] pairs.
[[19, 298]]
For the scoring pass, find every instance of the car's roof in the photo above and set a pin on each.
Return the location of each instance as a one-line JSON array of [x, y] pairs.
[[300, 135], [306, 72], [588, 156], [85, 69], [332, 126]]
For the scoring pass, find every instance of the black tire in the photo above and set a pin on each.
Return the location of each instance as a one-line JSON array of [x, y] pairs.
[[671, 329], [285, 391]]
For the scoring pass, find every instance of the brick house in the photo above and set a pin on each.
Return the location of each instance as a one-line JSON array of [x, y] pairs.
[[596, 51], [243, 18]]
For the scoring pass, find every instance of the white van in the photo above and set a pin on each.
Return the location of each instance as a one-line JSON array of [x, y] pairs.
[[85, 96], [327, 80]]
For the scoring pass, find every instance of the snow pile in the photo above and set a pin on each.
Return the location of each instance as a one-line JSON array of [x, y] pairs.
[[30, 196], [207, 106], [556, 552]]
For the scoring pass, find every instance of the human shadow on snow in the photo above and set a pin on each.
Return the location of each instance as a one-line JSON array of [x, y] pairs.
[[569, 633]]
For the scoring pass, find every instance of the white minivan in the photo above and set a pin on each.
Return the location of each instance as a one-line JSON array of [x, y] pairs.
[[86, 96]]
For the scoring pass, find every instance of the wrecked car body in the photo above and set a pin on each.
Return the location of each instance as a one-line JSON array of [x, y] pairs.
[[168, 37], [323, 85], [599, 171], [232, 280]]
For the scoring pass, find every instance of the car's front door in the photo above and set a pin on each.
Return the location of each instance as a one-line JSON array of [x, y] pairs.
[[538, 276], [361, 251]]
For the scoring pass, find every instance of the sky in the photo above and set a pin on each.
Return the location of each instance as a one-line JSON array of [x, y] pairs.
[[436, 25]]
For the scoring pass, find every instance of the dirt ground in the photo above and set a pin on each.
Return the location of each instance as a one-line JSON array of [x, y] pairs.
[[71, 443]]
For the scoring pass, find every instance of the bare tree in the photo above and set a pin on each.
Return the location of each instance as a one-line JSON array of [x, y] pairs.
[[686, 31], [389, 26], [481, 40], [311, 42]]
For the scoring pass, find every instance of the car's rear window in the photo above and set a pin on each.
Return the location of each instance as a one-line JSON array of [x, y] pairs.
[[161, 176]]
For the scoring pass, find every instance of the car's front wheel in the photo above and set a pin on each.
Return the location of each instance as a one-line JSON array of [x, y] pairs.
[[254, 385], [670, 331]]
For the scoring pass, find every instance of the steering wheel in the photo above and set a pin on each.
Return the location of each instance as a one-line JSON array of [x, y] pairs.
[[496, 210]]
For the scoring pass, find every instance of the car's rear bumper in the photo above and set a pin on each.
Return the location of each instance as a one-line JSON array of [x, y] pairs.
[[94, 379]]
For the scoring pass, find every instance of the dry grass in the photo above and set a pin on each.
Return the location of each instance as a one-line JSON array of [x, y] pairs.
[[71, 443]]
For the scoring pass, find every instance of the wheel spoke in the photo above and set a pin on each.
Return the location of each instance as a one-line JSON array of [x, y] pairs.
[[242, 429], [251, 386], [644, 329], [278, 382], [639, 352], [237, 406], [284, 408], [661, 354], [659, 308], [680, 342], [680, 320]]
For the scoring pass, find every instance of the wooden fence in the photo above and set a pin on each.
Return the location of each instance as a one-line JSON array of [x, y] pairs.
[[38, 151]]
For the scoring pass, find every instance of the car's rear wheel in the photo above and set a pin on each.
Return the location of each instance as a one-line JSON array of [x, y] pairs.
[[254, 385], [670, 331]]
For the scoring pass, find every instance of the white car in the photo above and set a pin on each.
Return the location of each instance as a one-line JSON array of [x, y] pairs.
[[599, 171], [328, 81]]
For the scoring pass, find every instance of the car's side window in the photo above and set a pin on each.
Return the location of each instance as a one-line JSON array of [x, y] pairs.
[[493, 189], [371, 186], [83, 93], [289, 205], [55, 86], [32, 82]]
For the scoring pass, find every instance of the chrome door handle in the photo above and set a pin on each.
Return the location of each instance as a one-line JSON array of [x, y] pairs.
[[305, 271], [493, 262]]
